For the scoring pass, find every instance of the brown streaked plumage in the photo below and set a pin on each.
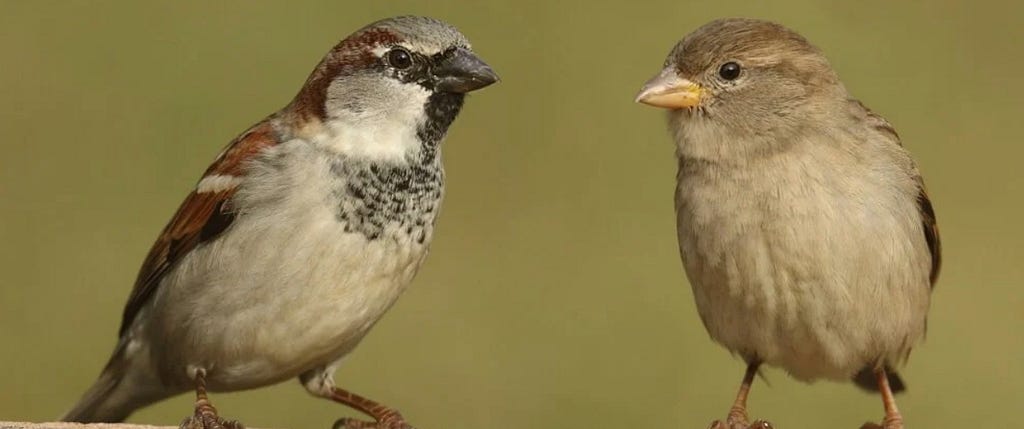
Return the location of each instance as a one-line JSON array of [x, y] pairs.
[[300, 235], [928, 221], [351, 54], [804, 226], [931, 232], [200, 218]]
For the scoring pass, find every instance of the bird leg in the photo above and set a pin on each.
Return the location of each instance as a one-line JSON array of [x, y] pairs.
[[737, 418], [893, 419], [205, 415], [384, 417]]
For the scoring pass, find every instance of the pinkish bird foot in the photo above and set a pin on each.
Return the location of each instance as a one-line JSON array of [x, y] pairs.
[[732, 423], [205, 415], [383, 417], [893, 419], [887, 423], [206, 421], [737, 418], [392, 422]]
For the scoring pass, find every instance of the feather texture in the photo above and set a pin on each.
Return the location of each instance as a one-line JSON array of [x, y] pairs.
[[200, 218]]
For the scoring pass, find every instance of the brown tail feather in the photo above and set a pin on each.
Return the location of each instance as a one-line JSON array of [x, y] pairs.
[[119, 391]]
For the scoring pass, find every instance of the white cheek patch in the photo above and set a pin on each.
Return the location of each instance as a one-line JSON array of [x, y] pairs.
[[372, 140], [217, 183], [385, 127]]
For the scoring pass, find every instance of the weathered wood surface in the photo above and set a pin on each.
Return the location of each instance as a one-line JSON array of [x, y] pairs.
[[66, 425]]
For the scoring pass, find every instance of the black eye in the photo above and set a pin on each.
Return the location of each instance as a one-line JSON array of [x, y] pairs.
[[729, 71], [399, 58]]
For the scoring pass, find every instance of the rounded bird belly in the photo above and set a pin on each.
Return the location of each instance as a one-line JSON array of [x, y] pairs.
[[791, 297], [267, 304]]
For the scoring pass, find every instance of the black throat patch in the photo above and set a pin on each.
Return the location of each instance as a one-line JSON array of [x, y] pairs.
[[441, 109], [406, 195], [376, 196]]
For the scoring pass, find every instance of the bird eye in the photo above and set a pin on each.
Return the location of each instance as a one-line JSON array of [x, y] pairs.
[[399, 58], [729, 71]]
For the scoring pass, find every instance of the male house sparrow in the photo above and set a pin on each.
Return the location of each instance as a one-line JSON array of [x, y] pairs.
[[301, 234], [803, 224]]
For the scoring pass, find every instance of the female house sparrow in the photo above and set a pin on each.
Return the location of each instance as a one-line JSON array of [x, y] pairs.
[[301, 234], [803, 224]]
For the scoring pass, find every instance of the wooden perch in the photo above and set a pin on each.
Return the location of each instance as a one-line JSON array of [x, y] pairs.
[[66, 425]]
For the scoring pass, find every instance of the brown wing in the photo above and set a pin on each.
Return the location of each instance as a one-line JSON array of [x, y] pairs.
[[931, 231], [200, 218], [924, 204]]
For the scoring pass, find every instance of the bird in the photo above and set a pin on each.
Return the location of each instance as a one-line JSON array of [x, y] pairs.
[[300, 235], [804, 226]]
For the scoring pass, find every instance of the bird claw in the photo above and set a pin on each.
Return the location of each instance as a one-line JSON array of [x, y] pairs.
[[200, 421], [884, 425], [733, 424], [350, 423]]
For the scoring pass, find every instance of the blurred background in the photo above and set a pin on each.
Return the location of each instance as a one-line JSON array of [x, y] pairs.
[[554, 296]]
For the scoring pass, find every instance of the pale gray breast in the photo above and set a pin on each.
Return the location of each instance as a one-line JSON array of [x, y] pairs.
[[777, 247]]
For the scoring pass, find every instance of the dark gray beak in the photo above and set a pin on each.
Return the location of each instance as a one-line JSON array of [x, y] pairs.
[[461, 71]]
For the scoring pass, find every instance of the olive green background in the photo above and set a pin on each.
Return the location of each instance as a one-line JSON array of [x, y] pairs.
[[554, 296]]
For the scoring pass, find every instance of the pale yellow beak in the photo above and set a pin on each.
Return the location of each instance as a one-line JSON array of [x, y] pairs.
[[670, 91]]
